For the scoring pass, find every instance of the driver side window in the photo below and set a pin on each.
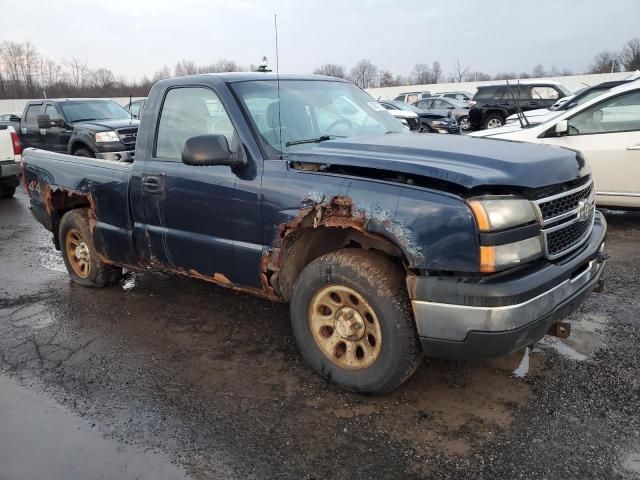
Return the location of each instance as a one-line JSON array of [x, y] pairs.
[[187, 112], [617, 114]]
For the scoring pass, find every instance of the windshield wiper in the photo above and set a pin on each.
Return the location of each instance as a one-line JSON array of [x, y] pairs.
[[321, 138], [84, 120]]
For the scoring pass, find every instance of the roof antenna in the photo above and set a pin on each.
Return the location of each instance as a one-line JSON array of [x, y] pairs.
[[275, 25]]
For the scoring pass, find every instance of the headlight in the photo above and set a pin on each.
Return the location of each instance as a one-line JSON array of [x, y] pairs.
[[500, 257], [439, 123], [107, 137], [499, 213], [494, 214]]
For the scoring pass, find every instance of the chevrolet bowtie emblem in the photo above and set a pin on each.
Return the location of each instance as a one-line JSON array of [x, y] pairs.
[[584, 209]]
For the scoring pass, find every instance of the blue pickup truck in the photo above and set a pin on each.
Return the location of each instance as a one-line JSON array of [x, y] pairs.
[[387, 244]]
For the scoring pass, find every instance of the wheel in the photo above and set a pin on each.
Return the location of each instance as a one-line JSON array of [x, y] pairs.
[[465, 124], [352, 321], [79, 252], [84, 152], [7, 192], [493, 121]]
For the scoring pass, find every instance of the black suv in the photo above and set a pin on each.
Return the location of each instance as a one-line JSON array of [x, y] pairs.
[[492, 104]]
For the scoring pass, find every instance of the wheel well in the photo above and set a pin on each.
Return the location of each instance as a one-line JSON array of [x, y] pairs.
[[499, 113], [77, 146], [60, 202], [305, 245]]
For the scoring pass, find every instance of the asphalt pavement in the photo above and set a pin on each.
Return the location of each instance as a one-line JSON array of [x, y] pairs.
[[163, 377]]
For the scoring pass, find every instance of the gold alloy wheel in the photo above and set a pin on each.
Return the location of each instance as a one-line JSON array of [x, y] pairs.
[[78, 253], [345, 327]]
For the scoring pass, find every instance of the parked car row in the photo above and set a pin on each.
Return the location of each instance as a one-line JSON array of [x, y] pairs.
[[605, 129], [427, 121]]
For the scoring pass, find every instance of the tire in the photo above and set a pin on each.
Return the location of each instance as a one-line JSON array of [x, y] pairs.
[[7, 192], [493, 121], [84, 152], [383, 310], [78, 249], [465, 124]]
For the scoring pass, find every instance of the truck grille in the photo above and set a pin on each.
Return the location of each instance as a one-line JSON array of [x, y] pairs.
[[567, 219], [128, 135]]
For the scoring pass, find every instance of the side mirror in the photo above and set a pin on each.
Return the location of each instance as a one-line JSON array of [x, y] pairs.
[[562, 127], [44, 121], [204, 150]]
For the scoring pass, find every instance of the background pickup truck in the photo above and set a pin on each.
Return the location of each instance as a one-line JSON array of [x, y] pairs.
[[304, 189], [84, 127], [10, 150]]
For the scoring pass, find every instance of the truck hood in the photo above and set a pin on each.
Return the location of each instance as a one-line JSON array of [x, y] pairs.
[[105, 125], [460, 160]]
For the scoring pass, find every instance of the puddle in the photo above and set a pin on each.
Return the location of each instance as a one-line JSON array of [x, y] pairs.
[[523, 368], [41, 439]]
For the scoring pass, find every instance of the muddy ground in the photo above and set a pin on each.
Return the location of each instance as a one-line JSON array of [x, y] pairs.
[[194, 381]]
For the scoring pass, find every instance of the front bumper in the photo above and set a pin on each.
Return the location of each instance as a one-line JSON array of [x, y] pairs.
[[123, 156], [9, 174], [470, 318]]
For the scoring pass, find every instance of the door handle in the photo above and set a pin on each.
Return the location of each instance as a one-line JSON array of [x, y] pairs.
[[151, 183], [533, 104], [634, 147]]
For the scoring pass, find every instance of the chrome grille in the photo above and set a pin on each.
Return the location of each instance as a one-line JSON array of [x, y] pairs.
[[567, 219], [128, 135], [555, 207]]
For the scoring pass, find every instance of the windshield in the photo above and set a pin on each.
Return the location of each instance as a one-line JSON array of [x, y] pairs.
[[311, 110], [93, 110]]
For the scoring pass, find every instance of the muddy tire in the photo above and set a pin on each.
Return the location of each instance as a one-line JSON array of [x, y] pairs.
[[7, 192], [79, 253], [352, 320]]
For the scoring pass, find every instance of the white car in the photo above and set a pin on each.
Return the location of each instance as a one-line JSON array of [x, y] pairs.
[[10, 151], [606, 129]]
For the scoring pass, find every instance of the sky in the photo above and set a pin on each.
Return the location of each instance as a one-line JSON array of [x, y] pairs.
[[138, 37]]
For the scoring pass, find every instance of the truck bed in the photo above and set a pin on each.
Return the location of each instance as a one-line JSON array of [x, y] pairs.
[[60, 180]]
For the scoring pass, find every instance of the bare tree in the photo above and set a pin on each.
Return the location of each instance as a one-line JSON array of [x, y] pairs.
[[364, 73], [436, 72], [477, 77], [387, 79], [630, 55], [538, 71], [459, 71], [164, 72], [12, 58], [103, 78], [605, 62], [331, 70], [185, 67], [421, 74], [78, 71]]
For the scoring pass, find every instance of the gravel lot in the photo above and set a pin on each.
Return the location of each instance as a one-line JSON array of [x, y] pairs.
[[187, 379]]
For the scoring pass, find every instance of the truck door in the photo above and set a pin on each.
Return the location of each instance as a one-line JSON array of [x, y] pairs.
[[189, 209], [29, 131], [56, 138]]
